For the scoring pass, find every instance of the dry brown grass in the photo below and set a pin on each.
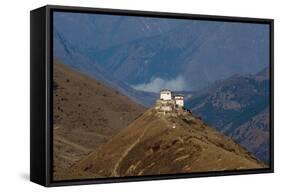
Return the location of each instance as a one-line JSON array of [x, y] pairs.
[[150, 146], [86, 114]]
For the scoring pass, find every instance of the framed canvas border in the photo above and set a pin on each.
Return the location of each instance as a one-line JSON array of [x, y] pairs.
[[41, 91]]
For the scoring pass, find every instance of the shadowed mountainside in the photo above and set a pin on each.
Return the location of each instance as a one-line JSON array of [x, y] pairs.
[[239, 108], [86, 113]]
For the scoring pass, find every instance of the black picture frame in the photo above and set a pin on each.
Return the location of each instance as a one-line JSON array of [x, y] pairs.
[[41, 59]]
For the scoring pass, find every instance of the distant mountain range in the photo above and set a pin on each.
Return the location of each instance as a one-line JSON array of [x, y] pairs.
[[239, 108], [67, 53], [132, 51]]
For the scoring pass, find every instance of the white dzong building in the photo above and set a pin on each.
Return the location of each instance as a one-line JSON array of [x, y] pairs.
[[168, 102], [179, 99], [165, 94]]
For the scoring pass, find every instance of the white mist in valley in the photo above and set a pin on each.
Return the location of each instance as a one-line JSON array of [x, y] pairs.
[[157, 83]]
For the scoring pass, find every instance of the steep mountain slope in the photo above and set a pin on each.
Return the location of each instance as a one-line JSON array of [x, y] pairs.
[[164, 144], [86, 114], [238, 107], [255, 135]]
